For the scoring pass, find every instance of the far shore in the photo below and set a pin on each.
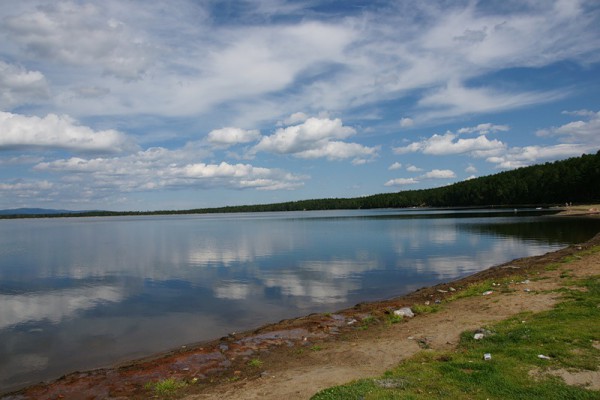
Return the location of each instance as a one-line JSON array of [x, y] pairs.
[[295, 358]]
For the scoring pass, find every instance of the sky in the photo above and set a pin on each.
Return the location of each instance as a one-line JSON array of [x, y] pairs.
[[154, 105]]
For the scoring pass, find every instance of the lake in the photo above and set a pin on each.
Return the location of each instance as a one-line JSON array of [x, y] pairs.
[[83, 293]]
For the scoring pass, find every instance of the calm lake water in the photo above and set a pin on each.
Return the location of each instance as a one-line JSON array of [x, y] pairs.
[[81, 293]]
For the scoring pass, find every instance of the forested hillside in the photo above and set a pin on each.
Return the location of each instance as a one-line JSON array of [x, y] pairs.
[[575, 180]]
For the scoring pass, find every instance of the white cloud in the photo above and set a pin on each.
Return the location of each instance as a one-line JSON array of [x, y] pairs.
[[58, 132], [316, 138], [449, 144], [333, 150], [401, 182], [412, 168], [517, 157], [395, 166], [406, 122], [582, 131], [231, 136], [439, 174], [433, 174], [158, 168], [471, 169], [80, 34], [484, 129], [180, 61], [19, 86], [455, 99], [293, 119]]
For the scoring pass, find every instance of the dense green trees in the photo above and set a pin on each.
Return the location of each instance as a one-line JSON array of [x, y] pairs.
[[575, 180]]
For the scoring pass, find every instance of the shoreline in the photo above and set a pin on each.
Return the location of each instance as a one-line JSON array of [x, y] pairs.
[[222, 361]]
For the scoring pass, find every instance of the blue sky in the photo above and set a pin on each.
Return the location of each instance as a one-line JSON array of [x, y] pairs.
[[145, 105]]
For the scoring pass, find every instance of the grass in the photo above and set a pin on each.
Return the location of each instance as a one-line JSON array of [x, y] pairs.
[[255, 362], [367, 321], [565, 334], [426, 308], [165, 387]]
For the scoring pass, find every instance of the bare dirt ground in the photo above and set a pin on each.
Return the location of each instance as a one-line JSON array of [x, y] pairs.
[[301, 356]]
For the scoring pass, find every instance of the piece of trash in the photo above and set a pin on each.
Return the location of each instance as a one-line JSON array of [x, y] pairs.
[[487, 356], [527, 290], [437, 301], [352, 322], [442, 291], [525, 282], [543, 357], [427, 303], [478, 336], [452, 289], [404, 312], [487, 293]]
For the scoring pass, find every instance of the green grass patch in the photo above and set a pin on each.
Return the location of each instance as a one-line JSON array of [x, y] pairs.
[[426, 308], [255, 362], [565, 334], [475, 289], [165, 387], [367, 321]]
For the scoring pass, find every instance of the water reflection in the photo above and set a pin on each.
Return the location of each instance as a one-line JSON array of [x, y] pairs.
[[55, 305], [84, 293]]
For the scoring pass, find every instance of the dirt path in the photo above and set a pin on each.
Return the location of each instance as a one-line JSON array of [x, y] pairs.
[[292, 376]]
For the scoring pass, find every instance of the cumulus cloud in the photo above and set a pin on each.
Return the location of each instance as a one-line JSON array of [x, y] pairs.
[[439, 174], [449, 143], [395, 166], [471, 169], [413, 168], [159, 168], [316, 138], [230, 136], [295, 118], [58, 132], [433, 174], [406, 122], [20, 86], [517, 157], [585, 130], [401, 182]]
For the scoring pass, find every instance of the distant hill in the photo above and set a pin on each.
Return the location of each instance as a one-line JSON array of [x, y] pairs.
[[38, 211]]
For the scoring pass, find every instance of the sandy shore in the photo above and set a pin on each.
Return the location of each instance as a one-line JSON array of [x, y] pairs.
[[293, 359]]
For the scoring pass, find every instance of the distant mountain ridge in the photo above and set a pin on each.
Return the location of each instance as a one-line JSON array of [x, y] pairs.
[[37, 211]]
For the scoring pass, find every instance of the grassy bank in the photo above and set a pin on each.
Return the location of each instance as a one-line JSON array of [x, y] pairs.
[[533, 356]]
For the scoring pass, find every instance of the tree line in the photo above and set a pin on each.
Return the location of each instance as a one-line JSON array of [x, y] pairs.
[[574, 180]]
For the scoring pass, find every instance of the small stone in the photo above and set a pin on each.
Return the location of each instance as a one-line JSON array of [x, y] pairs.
[[442, 291], [452, 289], [404, 312], [478, 336]]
